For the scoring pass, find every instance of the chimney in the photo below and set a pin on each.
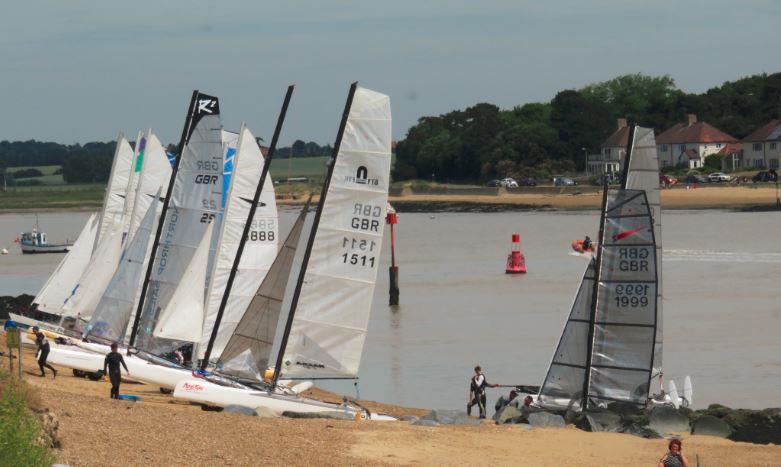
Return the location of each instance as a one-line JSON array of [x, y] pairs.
[[691, 119], [621, 123]]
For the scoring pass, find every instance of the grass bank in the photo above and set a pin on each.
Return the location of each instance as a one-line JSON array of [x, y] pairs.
[[20, 429]]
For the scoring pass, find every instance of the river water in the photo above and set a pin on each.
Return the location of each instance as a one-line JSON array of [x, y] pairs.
[[722, 301]]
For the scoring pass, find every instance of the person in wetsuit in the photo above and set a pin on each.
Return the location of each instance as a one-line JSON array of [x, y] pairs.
[[43, 352], [587, 245], [477, 387], [112, 361]]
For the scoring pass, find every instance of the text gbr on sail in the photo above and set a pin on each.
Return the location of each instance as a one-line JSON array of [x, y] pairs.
[[633, 259]]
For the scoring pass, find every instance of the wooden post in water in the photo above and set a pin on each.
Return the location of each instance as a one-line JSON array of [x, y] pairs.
[[393, 270]]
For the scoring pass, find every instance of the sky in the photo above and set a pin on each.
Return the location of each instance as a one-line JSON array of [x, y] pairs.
[[78, 71]]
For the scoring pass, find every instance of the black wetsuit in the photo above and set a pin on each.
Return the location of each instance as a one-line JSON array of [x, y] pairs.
[[113, 360], [477, 390], [43, 351]]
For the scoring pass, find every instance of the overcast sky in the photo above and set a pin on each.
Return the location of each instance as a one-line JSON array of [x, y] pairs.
[[78, 71]]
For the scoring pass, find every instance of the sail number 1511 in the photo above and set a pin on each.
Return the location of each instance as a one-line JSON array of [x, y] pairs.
[[362, 246]]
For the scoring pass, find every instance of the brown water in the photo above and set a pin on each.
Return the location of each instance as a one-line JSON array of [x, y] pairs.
[[722, 279]]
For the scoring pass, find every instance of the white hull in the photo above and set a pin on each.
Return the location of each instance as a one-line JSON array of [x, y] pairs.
[[204, 392], [27, 249], [140, 369], [24, 320]]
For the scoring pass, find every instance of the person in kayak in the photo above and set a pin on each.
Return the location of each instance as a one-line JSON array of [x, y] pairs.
[[43, 352], [112, 361], [587, 245], [477, 387]]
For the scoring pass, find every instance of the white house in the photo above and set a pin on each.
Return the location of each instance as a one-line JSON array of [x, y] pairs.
[[762, 149], [690, 143], [611, 153]]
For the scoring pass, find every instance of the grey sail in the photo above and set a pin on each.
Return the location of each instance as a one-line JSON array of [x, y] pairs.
[[248, 351], [563, 384], [643, 174], [605, 353], [624, 311]]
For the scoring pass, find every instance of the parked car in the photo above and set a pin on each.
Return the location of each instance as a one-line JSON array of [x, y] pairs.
[[494, 183], [667, 180], [610, 179], [509, 182], [718, 177], [563, 181], [696, 178], [765, 176], [528, 181]]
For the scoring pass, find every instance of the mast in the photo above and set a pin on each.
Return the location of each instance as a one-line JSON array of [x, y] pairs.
[[253, 207], [628, 157], [185, 134], [593, 315], [311, 240]]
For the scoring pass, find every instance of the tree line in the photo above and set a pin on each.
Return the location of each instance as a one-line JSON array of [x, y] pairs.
[[542, 139]]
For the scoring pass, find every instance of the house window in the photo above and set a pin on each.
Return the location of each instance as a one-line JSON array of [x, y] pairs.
[[772, 145], [757, 146], [759, 163], [665, 163], [682, 147], [773, 163], [607, 152], [664, 148], [718, 145]]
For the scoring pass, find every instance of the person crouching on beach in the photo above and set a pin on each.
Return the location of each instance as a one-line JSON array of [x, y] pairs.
[[43, 352], [477, 387], [674, 456], [112, 361]]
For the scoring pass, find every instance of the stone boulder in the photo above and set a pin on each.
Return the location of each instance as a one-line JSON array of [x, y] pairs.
[[507, 414], [666, 420], [409, 418], [755, 426], [711, 426], [425, 423], [240, 409], [603, 421], [545, 419], [450, 417]]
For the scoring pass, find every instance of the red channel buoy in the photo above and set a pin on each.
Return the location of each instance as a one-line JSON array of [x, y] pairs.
[[516, 262]]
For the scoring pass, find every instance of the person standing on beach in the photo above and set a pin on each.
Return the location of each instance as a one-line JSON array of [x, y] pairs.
[[674, 457], [112, 361], [477, 387], [43, 352]]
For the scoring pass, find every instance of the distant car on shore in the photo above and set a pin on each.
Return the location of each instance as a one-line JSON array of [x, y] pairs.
[[696, 178], [667, 180], [563, 181], [718, 177], [528, 181], [509, 182], [610, 179], [494, 183], [765, 176]]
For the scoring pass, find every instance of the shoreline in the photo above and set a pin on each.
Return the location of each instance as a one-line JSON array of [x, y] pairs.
[[732, 198]]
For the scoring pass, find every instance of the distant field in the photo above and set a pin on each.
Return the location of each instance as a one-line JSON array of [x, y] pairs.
[[48, 177], [312, 167], [52, 197]]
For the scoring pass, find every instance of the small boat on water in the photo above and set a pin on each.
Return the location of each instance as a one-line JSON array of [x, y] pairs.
[[36, 242]]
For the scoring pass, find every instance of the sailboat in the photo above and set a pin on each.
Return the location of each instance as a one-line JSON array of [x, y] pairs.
[[326, 326], [610, 348]]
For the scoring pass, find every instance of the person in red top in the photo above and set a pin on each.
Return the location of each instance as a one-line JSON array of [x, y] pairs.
[[477, 387]]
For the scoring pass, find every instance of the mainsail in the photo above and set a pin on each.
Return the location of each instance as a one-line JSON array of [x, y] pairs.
[[248, 351], [116, 191], [606, 351], [643, 174], [113, 313], [191, 205], [133, 181], [154, 174], [260, 248], [330, 311], [64, 279]]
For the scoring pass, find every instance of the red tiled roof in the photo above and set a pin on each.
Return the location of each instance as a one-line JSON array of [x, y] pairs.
[[619, 139], [771, 131], [730, 148], [699, 132]]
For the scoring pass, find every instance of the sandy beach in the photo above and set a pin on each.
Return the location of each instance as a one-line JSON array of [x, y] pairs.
[[158, 430]]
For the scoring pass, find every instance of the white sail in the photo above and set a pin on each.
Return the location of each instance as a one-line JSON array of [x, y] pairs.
[[63, 280], [93, 282], [182, 318], [643, 174], [248, 351], [194, 204], [117, 306], [154, 175], [260, 248], [329, 325], [116, 190], [133, 181]]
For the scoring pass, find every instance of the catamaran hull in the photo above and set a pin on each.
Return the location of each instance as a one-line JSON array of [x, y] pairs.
[[203, 392], [140, 369]]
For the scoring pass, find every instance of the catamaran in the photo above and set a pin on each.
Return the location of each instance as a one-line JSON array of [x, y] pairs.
[[326, 325]]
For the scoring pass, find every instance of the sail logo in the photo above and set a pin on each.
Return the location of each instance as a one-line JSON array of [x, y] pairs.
[[206, 106], [362, 177]]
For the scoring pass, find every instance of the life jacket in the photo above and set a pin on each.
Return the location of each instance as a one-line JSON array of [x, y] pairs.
[[475, 387]]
